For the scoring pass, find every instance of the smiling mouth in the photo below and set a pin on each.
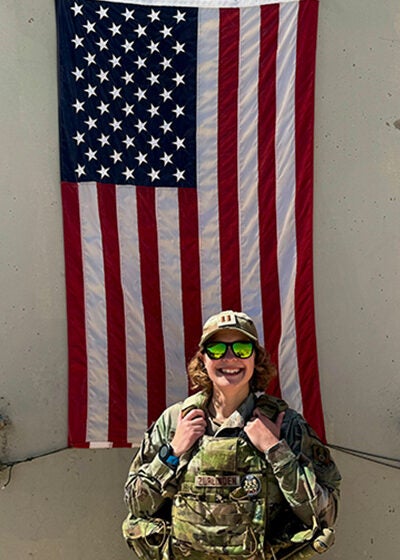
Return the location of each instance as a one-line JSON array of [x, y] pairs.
[[232, 372]]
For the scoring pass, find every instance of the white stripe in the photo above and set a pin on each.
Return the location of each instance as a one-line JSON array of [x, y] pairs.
[[136, 364], [207, 156], [100, 445], [248, 165], [204, 3], [286, 198], [167, 214], [95, 315]]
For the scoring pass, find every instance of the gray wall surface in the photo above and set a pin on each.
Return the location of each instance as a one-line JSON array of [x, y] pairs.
[[68, 505]]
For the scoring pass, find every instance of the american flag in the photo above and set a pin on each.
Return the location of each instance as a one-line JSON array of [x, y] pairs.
[[186, 133]]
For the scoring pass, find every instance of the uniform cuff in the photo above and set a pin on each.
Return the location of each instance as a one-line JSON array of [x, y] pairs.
[[279, 455], [162, 472]]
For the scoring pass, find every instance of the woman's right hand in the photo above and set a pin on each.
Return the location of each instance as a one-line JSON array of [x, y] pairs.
[[188, 430]]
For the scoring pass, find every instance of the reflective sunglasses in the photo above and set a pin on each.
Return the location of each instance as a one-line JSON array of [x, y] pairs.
[[240, 348]]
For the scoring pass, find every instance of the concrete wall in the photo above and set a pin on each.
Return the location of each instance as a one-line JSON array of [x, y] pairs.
[[69, 505]]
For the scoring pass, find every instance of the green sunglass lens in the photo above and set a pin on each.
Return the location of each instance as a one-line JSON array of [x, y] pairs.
[[217, 350], [242, 349]]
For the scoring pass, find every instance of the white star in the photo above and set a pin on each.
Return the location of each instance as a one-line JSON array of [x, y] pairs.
[[103, 12], [103, 76], [103, 171], [179, 142], [128, 14], [78, 41], [153, 47], [140, 62], [166, 158], [115, 60], [140, 125], [79, 137], [154, 142], [127, 78], [154, 174], [103, 107], [129, 142], [153, 78], [128, 109], [91, 58], [154, 15], [141, 94], [153, 110], [89, 26], [91, 123], [142, 158], [128, 46], [78, 105], [90, 90], [78, 73], [166, 31], [77, 9], [128, 173], [91, 154], [179, 47], [116, 125], [180, 175], [116, 156], [141, 30], [178, 111], [180, 16], [166, 126], [115, 92], [115, 29], [102, 43], [80, 170], [103, 140], [179, 79], [166, 94], [166, 63]]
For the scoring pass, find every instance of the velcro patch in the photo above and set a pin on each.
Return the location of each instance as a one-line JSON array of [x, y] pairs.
[[226, 480]]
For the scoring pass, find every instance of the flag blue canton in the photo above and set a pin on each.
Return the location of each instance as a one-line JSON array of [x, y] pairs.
[[127, 93]]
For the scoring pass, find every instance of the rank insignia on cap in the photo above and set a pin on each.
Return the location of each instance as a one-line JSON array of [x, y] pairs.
[[227, 319]]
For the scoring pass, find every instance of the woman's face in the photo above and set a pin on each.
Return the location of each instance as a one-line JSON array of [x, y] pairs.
[[230, 373]]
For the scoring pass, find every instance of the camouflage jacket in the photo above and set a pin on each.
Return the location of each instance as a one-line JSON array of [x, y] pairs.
[[303, 479]]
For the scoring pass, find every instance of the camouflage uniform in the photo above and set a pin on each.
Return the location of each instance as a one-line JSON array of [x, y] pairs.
[[228, 499]]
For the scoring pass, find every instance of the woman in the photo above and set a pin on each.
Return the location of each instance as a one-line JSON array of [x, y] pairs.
[[231, 472]]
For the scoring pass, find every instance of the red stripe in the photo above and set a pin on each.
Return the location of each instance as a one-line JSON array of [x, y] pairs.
[[149, 267], [227, 158], [304, 292], [267, 184], [190, 269], [77, 407], [116, 339]]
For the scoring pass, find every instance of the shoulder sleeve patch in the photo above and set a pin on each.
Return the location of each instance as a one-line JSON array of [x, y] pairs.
[[321, 455]]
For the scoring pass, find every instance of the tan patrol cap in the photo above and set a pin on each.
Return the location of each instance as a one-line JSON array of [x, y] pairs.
[[230, 320]]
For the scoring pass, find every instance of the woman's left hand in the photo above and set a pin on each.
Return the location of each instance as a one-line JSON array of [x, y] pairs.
[[263, 432]]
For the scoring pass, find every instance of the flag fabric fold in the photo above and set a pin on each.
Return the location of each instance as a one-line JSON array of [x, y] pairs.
[[186, 140]]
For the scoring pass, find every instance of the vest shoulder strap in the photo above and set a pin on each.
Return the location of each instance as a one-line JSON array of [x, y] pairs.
[[271, 406]]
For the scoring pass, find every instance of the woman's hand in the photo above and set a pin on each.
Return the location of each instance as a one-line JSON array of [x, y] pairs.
[[188, 430], [263, 432]]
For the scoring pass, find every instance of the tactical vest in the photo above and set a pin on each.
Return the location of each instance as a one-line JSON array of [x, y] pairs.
[[229, 499], [222, 505], [227, 506]]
